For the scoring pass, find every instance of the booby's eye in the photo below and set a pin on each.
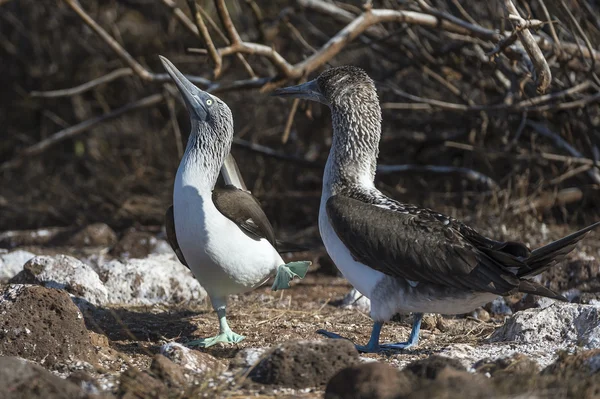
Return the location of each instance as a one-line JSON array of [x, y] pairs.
[[209, 102]]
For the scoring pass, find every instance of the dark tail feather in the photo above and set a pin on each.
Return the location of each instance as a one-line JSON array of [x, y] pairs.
[[531, 287], [547, 256], [284, 247]]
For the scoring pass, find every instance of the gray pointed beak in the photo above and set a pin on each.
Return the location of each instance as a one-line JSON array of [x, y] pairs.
[[194, 97], [306, 91]]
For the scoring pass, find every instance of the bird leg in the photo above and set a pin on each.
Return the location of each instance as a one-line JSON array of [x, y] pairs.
[[413, 339], [371, 347], [285, 274], [225, 333], [373, 344]]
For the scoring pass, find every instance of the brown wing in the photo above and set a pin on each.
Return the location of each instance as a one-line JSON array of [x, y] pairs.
[[243, 209], [172, 236], [419, 247]]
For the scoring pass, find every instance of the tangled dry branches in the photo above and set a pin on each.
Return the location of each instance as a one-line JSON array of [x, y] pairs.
[[532, 60]]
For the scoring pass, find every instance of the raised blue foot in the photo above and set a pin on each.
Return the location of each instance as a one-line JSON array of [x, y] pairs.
[[285, 274]]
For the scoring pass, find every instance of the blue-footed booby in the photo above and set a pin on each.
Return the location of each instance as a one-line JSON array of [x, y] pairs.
[[402, 257], [221, 234]]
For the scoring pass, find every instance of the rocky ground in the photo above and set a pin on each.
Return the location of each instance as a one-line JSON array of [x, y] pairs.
[[86, 313]]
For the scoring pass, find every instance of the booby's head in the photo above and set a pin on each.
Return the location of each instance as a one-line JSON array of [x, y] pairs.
[[206, 111], [341, 87], [356, 115]]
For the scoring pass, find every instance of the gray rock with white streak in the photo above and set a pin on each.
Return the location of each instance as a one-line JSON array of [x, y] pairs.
[[12, 263], [151, 280], [65, 273], [192, 360], [557, 325]]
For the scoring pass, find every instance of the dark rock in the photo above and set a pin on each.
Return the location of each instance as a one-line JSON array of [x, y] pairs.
[[93, 235], [430, 368], [481, 314], [42, 324], [302, 364], [373, 380], [429, 322], [173, 375], [452, 383], [20, 379], [515, 364], [65, 273], [567, 365], [583, 274], [134, 244], [135, 384]]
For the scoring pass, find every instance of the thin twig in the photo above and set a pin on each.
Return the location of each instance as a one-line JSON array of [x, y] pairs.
[[109, 77], [227, 23], [530, 105], [210, 46], [560, 142], [550, 24], [174, 124], [543, 75], [82, 127], [227, 41], [290, 121], [137, 68]]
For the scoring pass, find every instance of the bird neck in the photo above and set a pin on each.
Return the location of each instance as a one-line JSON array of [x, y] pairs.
[[353, 156], [204, 155]]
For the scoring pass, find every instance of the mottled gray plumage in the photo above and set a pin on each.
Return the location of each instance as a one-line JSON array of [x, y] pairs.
[[403, 257]]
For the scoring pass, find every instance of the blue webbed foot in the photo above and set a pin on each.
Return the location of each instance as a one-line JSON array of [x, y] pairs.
[[287, 272], [228, 337], [371, 347]]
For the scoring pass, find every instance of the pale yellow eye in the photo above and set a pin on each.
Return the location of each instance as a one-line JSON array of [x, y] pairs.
[[209, 102]]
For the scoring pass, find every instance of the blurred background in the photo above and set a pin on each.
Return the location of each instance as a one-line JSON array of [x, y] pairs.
[[93, 132]]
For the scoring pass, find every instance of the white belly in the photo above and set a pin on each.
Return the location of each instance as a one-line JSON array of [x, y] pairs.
[[223, 258], [363, 278], [390, 295]]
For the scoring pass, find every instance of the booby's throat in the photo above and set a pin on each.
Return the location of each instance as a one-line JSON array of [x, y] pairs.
[[206, 150], [353, 156]]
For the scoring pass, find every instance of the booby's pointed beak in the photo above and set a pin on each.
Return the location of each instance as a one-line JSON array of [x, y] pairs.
[[195, 99], [306, 91]]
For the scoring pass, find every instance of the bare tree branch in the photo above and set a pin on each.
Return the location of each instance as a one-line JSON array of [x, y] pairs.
[[75, 130], [561, 143], [543, 75], [210, 46], [109, 77]]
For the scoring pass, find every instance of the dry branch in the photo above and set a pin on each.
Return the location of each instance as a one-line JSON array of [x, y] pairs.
[[75, 130], [543, 75], [561, 143], [210, 46]]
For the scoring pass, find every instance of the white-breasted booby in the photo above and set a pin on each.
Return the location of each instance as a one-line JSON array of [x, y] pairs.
[[402, 257], [221, 234]]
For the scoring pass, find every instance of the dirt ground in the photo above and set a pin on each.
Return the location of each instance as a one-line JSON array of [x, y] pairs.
[[136, 334]]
